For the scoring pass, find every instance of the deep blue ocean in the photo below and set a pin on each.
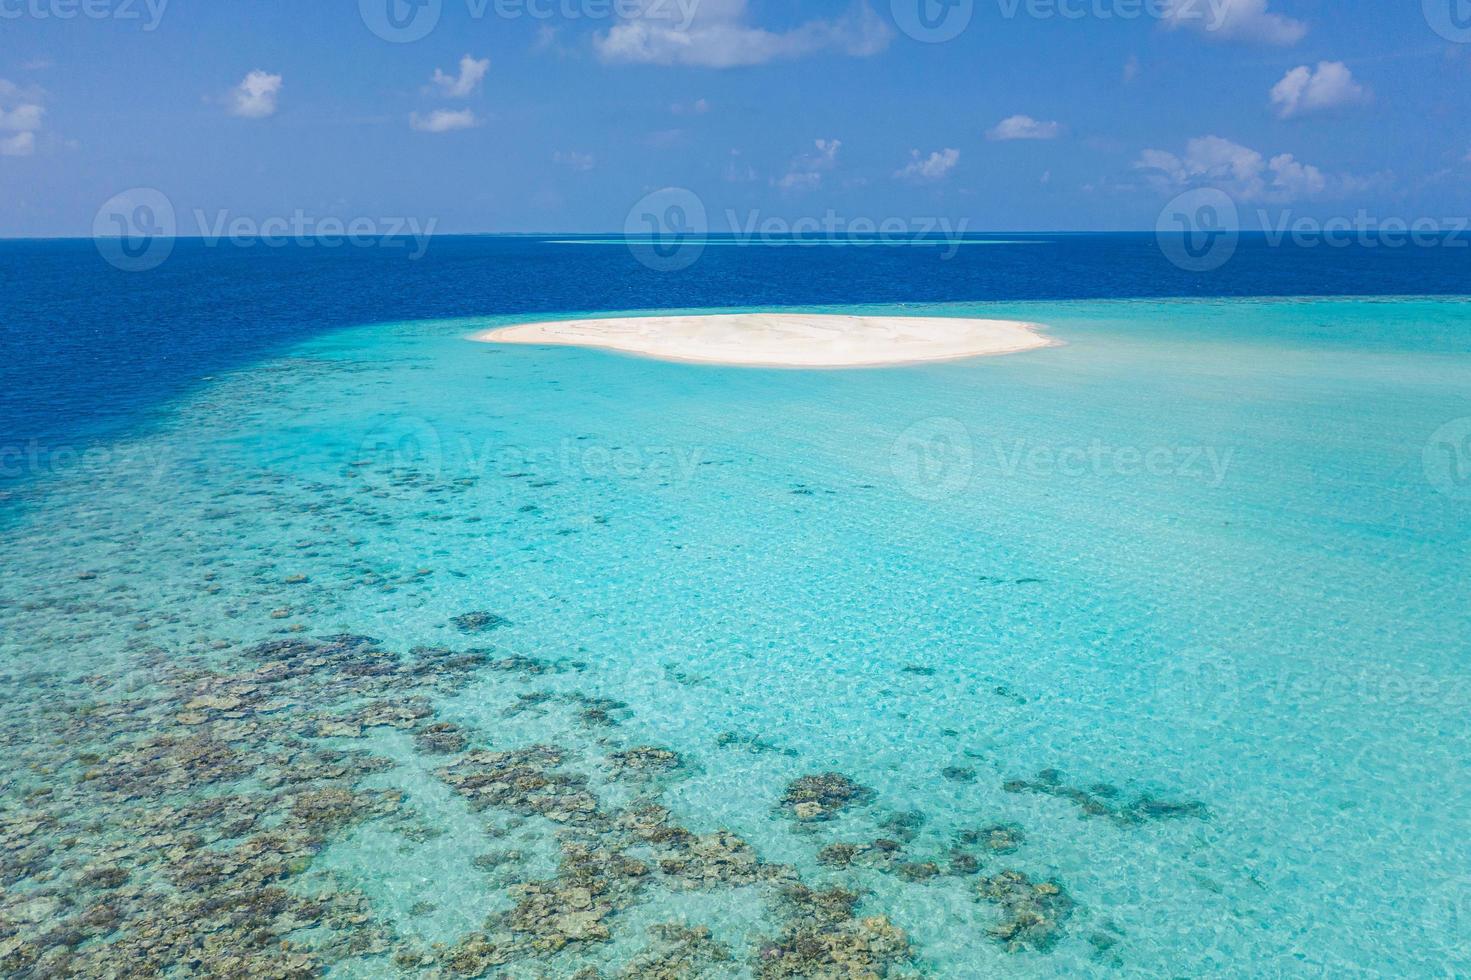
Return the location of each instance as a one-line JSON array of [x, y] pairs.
[[335, 641]]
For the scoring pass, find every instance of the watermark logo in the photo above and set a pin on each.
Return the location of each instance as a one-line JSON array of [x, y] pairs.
[[933, 459], [399, 448], [1447, 459], [1447, 910], [1451, 19], [933, 21], [401, 21], [666, 230], [1207, 684], [135, 230], [1199, 230]]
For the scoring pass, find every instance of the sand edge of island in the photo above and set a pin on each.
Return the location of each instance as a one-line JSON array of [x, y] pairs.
[[790, 340]]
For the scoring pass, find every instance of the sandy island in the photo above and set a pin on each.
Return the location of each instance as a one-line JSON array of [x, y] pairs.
[[797, 340]]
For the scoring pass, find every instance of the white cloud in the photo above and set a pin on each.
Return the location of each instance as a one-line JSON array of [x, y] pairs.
[[444, 121], [716, 34], [472, 73], [936, 166], [1235, 20], [1131, 69], [807, 170], [25, 117], [1242, 172], [1306, 90], [21, 114], [1024, 128], [256, 96], [581, 162], [1208, 160], [800, 181], [1294, 180], [663, 139], [19, 145], [696, 108], [737, 171]]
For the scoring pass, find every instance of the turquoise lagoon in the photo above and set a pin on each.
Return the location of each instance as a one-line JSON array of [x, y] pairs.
[[1180, 604]]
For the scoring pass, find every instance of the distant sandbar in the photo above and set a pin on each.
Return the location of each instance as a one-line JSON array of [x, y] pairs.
[[796, 340]]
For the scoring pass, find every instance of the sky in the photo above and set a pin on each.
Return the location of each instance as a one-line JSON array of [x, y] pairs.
[[562, 115]]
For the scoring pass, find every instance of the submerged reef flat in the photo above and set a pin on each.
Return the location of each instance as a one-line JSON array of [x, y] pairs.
[[798, 340], [181, 832], [181, 829]]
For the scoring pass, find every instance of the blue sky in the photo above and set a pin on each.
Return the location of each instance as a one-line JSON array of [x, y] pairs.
[[558, 115]]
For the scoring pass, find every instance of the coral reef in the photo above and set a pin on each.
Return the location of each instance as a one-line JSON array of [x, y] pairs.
[[822, 797], [1101, 801], [479, 621], [1033, 912], [180, 826], [822, 937]]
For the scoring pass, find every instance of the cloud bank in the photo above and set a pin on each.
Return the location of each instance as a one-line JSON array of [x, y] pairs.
[[1241, 172], [717, 34]]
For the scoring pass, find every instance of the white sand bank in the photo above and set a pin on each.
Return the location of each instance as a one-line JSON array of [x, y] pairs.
[[797, 340]]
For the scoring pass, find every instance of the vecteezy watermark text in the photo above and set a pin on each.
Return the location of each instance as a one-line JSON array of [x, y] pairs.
[[406, 21], [1215, 684], [1364, 230], [678, 14], [404, 444], [1209, 14], [677, 464], [33, 458], [148, 12], [669, 230], [1202, 464], [309, 231], [136, 230], [834, 229], [938, 21], [1200, 230], [938, 458]]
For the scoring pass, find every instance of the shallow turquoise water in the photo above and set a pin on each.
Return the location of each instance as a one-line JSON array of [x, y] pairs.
[[1208, 554]]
